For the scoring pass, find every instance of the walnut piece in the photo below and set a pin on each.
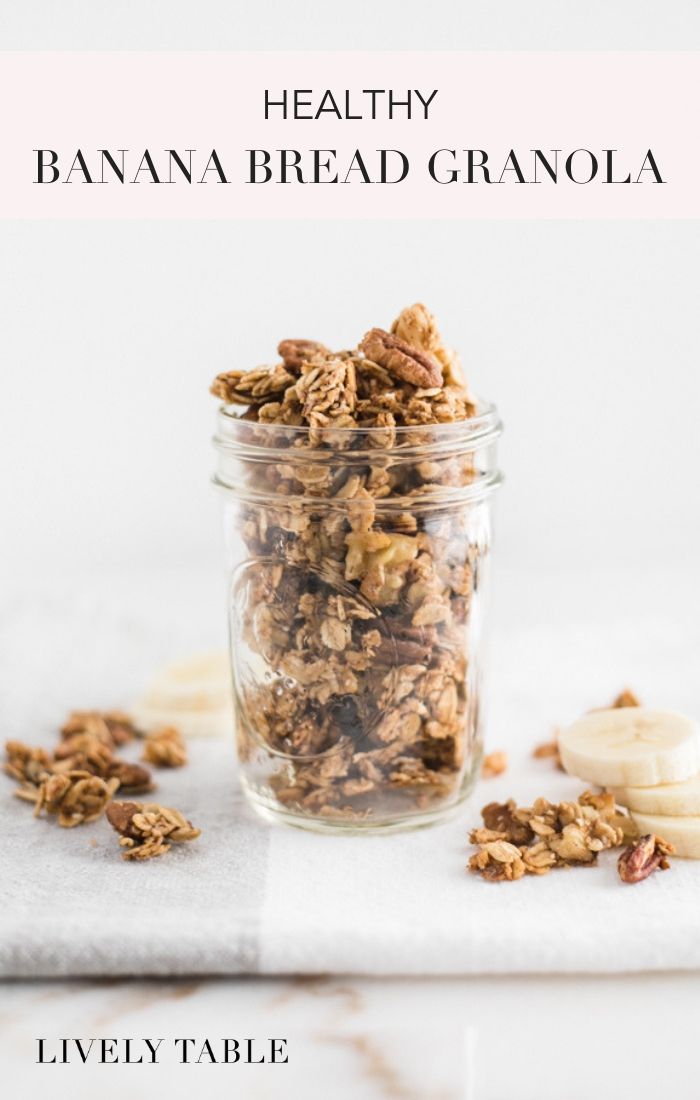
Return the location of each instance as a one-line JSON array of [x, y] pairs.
[[148, 830], [640, 860]]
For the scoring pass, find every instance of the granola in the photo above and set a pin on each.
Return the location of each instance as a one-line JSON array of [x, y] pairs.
[[114, 727], [78, 780], [75, 781], [165, 748], [533, 840], [356, 593], [148, 830], [493, 764], [75, 797]]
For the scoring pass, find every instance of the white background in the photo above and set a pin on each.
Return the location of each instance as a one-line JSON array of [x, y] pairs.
[[584, 334], [360, 25]]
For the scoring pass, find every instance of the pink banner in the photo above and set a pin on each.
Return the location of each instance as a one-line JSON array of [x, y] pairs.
[[349, 135]]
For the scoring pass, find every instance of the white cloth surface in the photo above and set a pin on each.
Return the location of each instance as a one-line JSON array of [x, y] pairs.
[[248, 897]]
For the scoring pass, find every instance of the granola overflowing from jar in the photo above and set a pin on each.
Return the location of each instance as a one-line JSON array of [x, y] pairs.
[[358, 581], [533, 840]]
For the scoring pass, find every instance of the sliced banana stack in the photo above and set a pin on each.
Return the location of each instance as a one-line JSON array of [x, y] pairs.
[[669, 799], [650, 759], [194, 695]]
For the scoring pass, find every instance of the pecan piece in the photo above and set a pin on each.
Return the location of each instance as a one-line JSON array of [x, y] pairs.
[[400, 359], [120, 816], [297, 352], [640, 860]]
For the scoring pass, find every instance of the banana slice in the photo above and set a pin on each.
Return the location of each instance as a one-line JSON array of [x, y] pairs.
[[199, 683], [682, 832], [672, 799], [195, 695], [631, 747]]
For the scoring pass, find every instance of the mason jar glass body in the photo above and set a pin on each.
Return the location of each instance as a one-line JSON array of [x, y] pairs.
[[358, 563]]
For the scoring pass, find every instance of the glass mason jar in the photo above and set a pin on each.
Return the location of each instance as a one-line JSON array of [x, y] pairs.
[[357, 566]]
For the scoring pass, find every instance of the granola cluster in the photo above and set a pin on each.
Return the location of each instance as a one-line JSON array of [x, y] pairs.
[[77, 781], [357, 592], [148, 830], [165, 748], [517, 841]]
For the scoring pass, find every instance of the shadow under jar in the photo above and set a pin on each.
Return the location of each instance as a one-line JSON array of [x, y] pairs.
[[358, 561]]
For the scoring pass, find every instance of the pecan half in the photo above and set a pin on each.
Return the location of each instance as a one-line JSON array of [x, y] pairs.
[[400, 359], [297, 352], [640, 860]]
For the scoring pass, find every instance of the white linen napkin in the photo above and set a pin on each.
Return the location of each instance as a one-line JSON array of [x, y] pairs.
[[248, 897]]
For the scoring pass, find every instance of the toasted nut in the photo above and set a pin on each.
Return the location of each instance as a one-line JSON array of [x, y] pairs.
[[640, 860]]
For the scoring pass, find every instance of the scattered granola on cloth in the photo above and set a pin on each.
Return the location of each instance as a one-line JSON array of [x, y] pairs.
[[517, 841], [76, 780], [148, 830]]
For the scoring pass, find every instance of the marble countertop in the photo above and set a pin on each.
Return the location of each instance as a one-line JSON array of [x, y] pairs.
[[528, 1038]]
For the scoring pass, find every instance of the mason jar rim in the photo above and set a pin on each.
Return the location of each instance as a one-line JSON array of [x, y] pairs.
[[479, 429], [243, 441]]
